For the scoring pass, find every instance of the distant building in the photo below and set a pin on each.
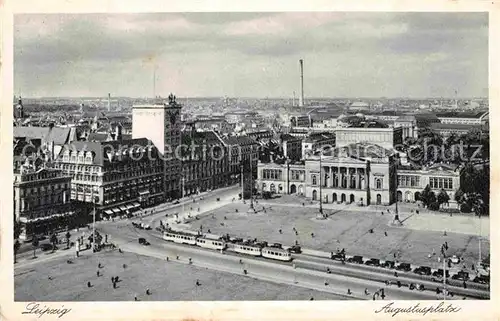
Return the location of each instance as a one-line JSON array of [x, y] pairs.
[[316, 141], [385, 137], [446, 130], [408, 123], [52, 138], [301, 121], [359, 106], [463, 118]]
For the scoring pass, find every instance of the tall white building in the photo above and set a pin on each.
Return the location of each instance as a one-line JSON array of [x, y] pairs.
[[161, 123]]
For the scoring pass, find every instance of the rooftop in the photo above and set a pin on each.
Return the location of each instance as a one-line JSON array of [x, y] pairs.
[[59, 136]]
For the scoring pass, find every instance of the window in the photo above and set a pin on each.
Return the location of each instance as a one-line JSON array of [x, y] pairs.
[[314, 180], [378, 183]]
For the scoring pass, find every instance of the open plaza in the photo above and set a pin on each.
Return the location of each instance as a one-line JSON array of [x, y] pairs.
[[348, 227], [56, 280]]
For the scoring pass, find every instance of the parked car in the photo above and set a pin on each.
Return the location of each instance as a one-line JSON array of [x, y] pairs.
[[389, 264], [482, 279], [143, 241], [406, 267], [338, 256], [461, 275], [355, 259], [296, 249], [423, 270], [46, 247], [373, 262], [440, 272]]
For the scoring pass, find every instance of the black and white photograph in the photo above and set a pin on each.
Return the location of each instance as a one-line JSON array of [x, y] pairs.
[[250, 156]]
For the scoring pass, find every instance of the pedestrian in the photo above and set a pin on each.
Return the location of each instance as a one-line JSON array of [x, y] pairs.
[[385, 233], [326, 283], [124, 266], [394, 254], [444, 233], [114, 285], [465, 285], [311, 299], [446, 245], [296, 233], [167, 259], [190, 261], [148, 292], [439, 259], [395, 274], [433, 252], [296, 242], [280, 231], [135, 298], [382, 212], [198, 283], [177, 257], [303, 204], [112, 279], [50, 278], [209, 231], [99, 266], [366, 291], [418, 210], [98, 273], [312, 234], [89, 285], [349, 291]]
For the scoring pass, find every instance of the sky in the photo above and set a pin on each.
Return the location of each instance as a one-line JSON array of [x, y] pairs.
[[371, 54]]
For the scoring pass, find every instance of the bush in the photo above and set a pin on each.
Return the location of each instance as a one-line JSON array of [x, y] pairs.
[[465, 208], [434, 206]]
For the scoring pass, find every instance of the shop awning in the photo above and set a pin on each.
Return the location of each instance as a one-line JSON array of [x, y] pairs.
[[116, 210], [122, 208], [109, 212], [129, 206], [136, 204], [143, 192]]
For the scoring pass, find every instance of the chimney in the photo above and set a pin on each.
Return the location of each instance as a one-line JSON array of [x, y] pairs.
[[301, 98], [109, 102]]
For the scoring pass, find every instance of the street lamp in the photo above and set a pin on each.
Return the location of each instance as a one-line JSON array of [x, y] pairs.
[[251, 209], [320, 185], [96, 199]]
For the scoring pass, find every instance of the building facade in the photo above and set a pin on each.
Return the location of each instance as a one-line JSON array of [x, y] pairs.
[[161, 124], [438, 176], [361, 173], [315, 141], [118, 176], [384, 137], [42, 200]]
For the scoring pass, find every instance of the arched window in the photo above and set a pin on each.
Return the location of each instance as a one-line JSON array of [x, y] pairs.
[[378, 183], [314, 180]]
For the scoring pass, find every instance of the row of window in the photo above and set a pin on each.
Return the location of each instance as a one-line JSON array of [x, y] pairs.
[[42, 189], [272, 174], [297, 175], [408, 181], [441, 182]]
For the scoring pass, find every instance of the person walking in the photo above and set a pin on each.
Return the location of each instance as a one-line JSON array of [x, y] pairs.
[[98, 273], [366, 291], [89, 285], [349, 291], [148, 292]]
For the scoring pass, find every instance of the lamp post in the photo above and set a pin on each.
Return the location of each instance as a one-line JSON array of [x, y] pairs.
[[96, 199], [320, 185], [251, 209]]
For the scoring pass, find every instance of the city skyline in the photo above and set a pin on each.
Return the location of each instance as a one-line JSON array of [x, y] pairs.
[[253, 55]]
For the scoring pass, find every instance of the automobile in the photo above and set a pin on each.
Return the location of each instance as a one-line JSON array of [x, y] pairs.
[[146, 227], [338, 256], [423, 270], [355, 259], [482, 279], [372, 261], [143, 241], [276, 245], [440, 272], [46, 247], [461, 275], [455, 260], [406, 267], [295, 249], [389, 264]]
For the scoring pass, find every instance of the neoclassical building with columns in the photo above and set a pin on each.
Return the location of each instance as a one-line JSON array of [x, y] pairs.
[[361, 173]]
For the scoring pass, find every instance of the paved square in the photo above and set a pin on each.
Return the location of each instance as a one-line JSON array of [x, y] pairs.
[[167, 281], [347, 229]]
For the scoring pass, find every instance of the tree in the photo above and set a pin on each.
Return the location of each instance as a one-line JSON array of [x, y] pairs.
[[442, 197], [35, 245], [53, 240], [427, 196], [68, 235], [17, 245]]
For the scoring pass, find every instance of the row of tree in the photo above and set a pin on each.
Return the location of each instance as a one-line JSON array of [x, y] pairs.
[[431, 201]]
